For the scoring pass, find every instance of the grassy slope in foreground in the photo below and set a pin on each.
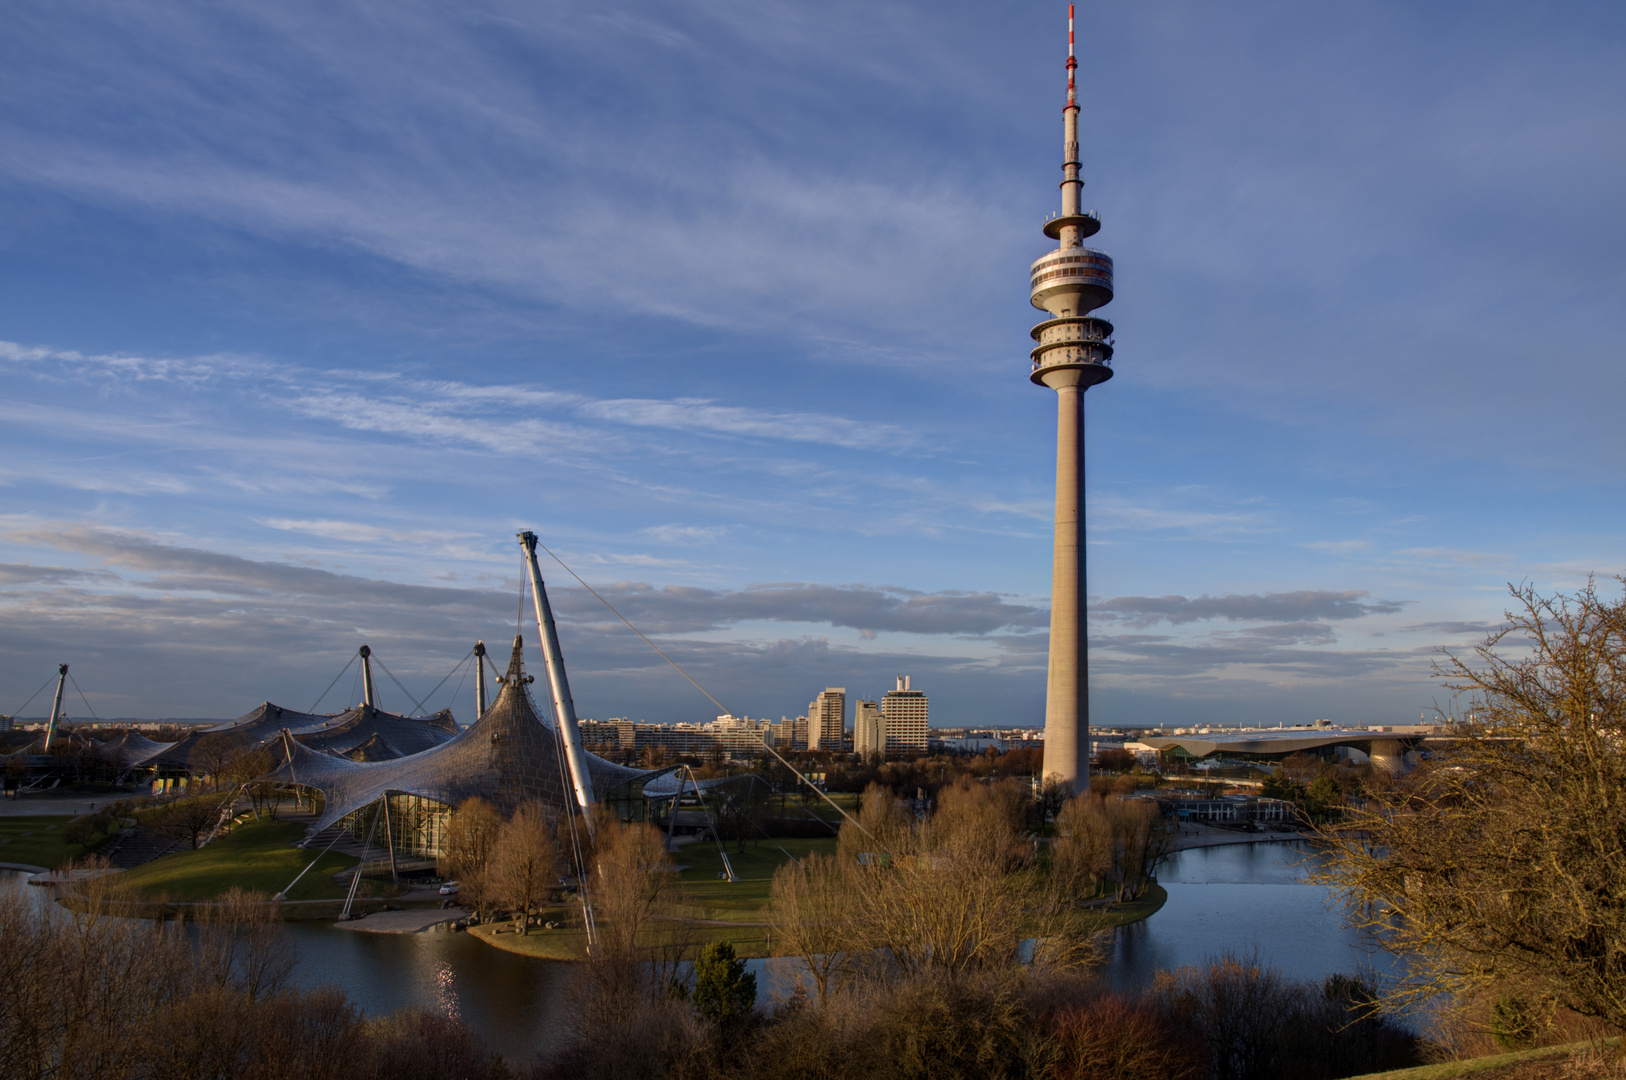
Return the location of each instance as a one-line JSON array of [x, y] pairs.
[[257, 855], [1491, 1068]]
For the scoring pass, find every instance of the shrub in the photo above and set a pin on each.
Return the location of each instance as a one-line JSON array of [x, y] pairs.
[[1114, 1039]]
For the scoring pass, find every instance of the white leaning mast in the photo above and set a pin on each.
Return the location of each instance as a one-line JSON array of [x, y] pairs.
[[56, 706], [564, 709]]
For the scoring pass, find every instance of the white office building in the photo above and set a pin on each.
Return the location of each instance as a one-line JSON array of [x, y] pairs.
[[904, 712], [827, 719], [869, 730]]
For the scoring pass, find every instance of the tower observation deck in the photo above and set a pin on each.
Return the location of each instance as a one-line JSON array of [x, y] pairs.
[[1072, 354]]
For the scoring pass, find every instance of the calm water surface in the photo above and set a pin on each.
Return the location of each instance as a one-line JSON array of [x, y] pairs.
[[1239, 897]]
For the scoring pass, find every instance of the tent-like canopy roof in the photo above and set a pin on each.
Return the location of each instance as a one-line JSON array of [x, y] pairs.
[[376, 748], [130, 749], [508, 757], [269, 720], [203, 751], [405, 734]]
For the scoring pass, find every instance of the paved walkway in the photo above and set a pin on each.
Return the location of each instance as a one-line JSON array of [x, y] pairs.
[[414, 921], [40, 803], [1198, 836], [28, 867]]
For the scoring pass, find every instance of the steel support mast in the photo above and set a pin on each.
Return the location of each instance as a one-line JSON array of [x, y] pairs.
[[480, 679], [56, 705], [564, 709]]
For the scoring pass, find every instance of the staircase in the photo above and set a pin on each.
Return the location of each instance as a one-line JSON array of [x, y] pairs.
[[345, 844], [378, 859], [136, 846]]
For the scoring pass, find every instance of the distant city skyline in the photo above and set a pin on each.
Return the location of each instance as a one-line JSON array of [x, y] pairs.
[[303, 314]]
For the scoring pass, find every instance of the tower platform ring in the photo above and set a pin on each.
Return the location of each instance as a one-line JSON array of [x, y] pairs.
[[1089, 374], [1088, 225]]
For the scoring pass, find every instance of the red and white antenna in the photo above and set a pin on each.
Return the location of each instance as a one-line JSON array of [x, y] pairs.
[[1072, 62]]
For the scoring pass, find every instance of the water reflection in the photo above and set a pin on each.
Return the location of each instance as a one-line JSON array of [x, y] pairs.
[[1242, 898], [514, 1002]]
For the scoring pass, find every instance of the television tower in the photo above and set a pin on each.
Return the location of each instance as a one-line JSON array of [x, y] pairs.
[[1073, 353]]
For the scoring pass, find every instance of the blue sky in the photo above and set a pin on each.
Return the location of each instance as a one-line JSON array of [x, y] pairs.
[[306, 308]]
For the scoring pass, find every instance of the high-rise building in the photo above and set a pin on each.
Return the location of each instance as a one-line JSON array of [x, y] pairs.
[[790, 734], [869, 730], [904, 715], [1074, 353], [827, 719]]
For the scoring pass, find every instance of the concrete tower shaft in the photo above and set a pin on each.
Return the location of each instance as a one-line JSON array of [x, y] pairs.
[[1072, 354]]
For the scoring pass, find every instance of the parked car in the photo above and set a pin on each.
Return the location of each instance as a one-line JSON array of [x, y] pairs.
[[449, 888]]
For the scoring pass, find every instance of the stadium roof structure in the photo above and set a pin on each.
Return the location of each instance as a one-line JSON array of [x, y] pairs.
[[382, 734], [509, 756], [269, 720], [131, 749], [1382, 746], [362, 725]]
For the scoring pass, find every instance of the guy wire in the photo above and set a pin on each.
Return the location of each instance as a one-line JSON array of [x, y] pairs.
[[796, 772], [82, 697]]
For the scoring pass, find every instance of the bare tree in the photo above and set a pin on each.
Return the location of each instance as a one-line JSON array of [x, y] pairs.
[[1141, 838], [524, 863], [188, 818], [212, 754], [1123, 838], [1083, 851], [1499, 862], [241, 946], [244, 769], [884, 824], [811, 915], [1052, 794], [471, 834], [93, 995], [632, 879], [961, 893]]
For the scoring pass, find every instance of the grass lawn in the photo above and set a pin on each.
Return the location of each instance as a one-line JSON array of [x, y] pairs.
[[743, 902], [569, 943], [256, 855], [1495, 1066], [1134, 911], [36, 841]]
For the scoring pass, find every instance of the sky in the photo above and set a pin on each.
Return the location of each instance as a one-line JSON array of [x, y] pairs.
[[306, 308]]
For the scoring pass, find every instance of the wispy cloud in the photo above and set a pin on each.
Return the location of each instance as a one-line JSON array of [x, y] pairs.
[[1303, 606], [1113, 513], [1454, 628], [25, 574], [686, 534], [1454, 556], [1338, 547], [360, 532], [697, 414], [1145, 657]]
